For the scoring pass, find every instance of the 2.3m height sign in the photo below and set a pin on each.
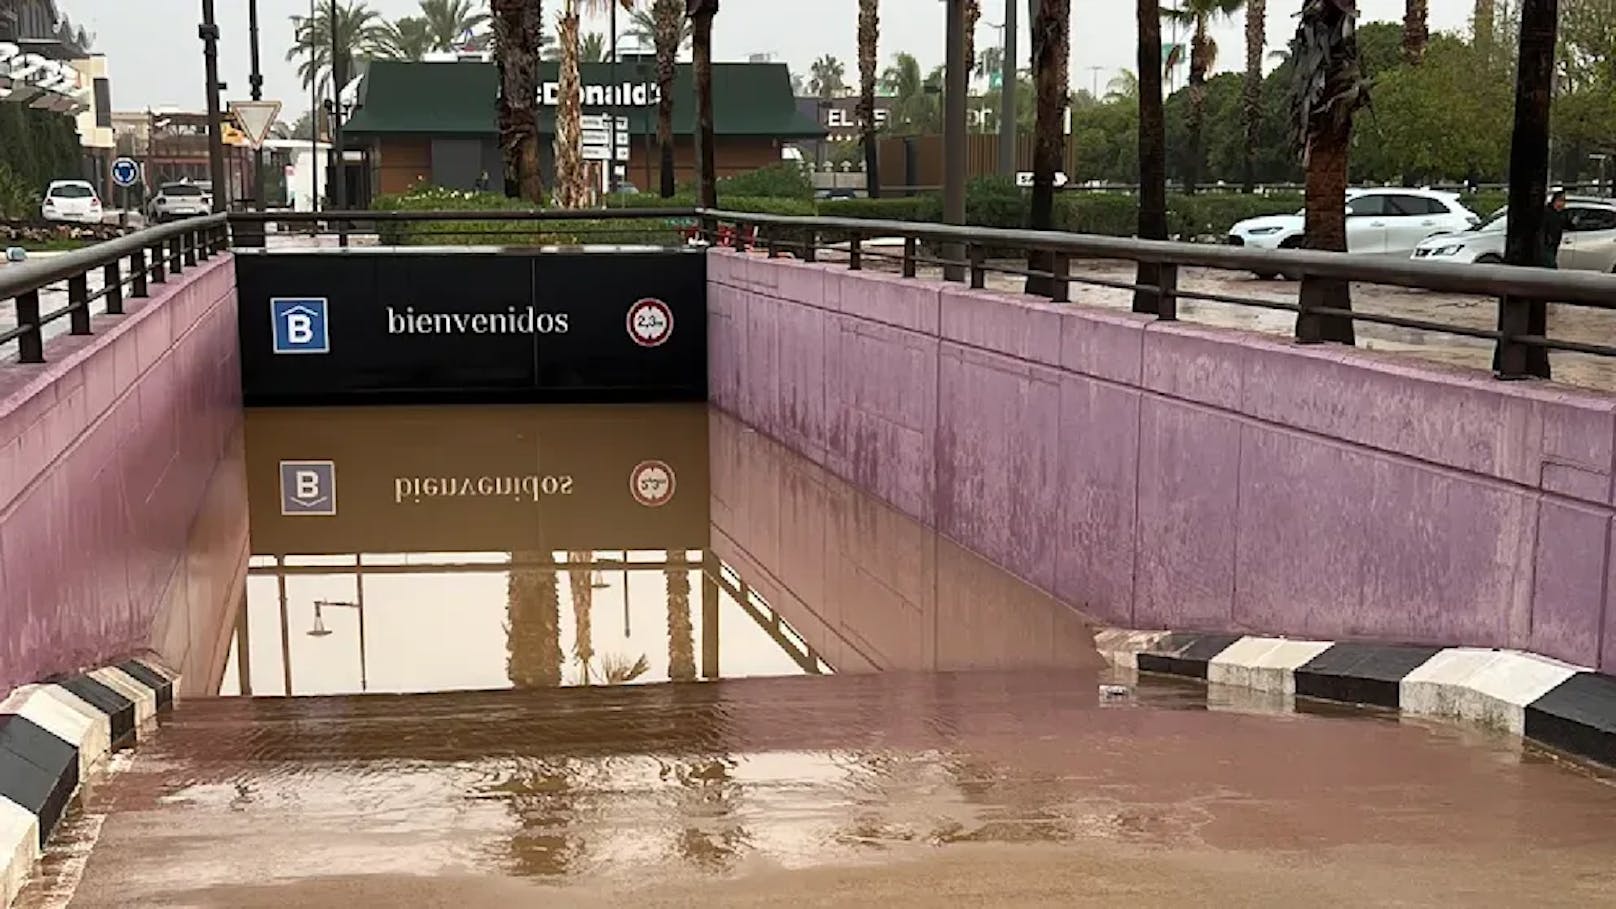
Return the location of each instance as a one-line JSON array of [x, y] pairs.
[[475, 325]]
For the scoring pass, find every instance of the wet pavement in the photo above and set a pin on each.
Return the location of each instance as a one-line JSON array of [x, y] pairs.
[[860, 712]]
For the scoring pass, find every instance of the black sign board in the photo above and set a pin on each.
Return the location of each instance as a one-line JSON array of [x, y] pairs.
[[341, 480], [388, 325]]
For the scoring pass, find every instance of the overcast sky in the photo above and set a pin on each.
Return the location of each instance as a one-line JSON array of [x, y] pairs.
[[156, 58]]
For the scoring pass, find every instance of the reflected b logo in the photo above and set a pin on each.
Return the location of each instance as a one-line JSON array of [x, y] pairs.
[[309, 488], [300, 325]]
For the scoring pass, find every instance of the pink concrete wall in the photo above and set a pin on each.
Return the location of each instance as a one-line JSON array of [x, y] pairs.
[[107, 453], [1167, 475]]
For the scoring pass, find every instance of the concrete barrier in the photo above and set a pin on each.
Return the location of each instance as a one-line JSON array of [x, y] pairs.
[[122, 498], [1166, 475]]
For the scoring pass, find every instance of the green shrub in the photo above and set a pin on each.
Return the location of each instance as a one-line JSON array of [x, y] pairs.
[[777, 181], [902, 208], [1485, 203], [18, 200], [1106, 214]]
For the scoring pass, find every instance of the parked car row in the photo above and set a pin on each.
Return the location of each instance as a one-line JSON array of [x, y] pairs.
[[77, 201], [1435, 226]]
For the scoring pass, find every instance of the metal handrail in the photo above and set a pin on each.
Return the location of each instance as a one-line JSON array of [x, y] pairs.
[[1581, 288], [538, 214], [172, 249]]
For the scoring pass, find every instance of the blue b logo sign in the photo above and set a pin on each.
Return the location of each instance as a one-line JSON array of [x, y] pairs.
[[300, 325]]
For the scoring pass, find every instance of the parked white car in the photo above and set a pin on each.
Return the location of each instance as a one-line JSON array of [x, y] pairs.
[[1589, 243], [71, 200], [181, 200], [1391, 222]]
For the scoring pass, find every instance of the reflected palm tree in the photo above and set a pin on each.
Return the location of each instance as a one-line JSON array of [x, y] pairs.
[[583, 607], [681, 637], [544, 795], [615, 669], [708, 791], [532, 623]]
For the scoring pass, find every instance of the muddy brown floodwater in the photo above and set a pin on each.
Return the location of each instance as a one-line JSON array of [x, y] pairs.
[[800, 698]]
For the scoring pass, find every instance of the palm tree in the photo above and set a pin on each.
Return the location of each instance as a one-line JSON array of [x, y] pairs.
[[518, 32], [1529, 176], [1198, 14], [827, 77], [359, 32], [583, 610], [681, 640], [1123, 88], [869, 33], [1251, 99], [450, 20], [670, 31], [973, 15], [591, 49], [1416, 31], [533, 623], [701, 14], [1152, 147], [1051, 47], [405, 39], [914, 96], [571, 179], [643, 26], [1330, 89]]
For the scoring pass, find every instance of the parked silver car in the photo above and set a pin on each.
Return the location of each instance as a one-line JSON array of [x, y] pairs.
[[1589, 243], [181, 200]]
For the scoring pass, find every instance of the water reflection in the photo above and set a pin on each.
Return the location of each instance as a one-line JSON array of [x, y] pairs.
[[494, 570]]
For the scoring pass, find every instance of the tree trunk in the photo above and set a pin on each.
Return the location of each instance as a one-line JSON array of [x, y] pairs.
[[583, 613], [702, 12], [669, 18], [869, 31], [1251, 100], [1152, 147], [681, 641], [973, 15], [1529, 179], [1050, 52], [533, 624], [1416, 32], [517, 26], [531, 174], [1326, 226], [572, 180], [1200, 62]]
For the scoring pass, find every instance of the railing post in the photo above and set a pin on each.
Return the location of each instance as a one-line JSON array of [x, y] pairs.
[[1060, 287], [911, 248], [1309, 324], [979, 274], [188, 248], [810, 249], [203, 243], [137, 272], [112, 280], [1167, 292], [159, 264], [30, 346], [855, 254], [78, 298], [769, 243], [1514, 321]]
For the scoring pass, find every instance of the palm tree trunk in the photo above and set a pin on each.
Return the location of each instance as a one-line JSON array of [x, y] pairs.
[[701, 16], [668, 16], [583, 610], [1251, 102], [531, 173], [572, 180], [681, 641], [869, 32], [973, 15], [1200, 51], [1327, 150], [1416, 32], [533, 624], [1051, 30], [1528, 181], [1152, 147]]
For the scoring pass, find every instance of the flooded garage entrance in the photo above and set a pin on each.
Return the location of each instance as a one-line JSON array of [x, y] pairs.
[[609, 656]]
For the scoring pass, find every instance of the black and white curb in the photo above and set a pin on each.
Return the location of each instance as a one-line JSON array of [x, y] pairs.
[[52, 737], [1567, 707]]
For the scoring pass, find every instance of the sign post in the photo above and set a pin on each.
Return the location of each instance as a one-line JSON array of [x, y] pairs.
[[125, 173]]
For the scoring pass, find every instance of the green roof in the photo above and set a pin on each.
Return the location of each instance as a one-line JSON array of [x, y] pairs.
[[749, 99]]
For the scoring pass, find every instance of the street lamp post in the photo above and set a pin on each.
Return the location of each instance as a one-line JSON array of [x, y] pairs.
[[209, 33], [954, 151], [256, 80], [339, 175], [1007, 93]]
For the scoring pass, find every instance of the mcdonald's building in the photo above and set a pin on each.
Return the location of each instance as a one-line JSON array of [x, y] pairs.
[[438, 123]]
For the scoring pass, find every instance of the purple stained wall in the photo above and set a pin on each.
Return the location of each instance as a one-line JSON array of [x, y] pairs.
[[1166, 475], [122, 509]]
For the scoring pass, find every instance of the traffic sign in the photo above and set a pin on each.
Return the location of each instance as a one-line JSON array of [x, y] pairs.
[[125, 172], [1024, 178], [255, 118]]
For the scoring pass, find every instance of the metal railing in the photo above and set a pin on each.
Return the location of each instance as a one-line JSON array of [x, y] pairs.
[[964, 255], [129, 266]]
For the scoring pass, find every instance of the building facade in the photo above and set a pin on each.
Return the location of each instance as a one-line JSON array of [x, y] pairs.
[[437, 122]]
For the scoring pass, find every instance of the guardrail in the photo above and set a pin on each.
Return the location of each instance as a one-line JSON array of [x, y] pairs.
[[963, 252], [129, 266]]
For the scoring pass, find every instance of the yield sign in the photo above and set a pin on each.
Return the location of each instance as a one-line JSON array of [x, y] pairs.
[[255, 117]]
